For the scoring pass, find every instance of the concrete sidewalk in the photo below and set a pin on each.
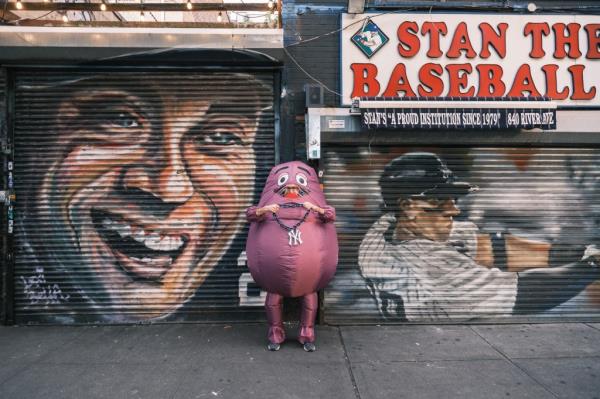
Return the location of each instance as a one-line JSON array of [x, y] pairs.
[[230, 361]]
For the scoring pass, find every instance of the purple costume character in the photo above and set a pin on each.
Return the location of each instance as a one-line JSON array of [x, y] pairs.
[[292, 246]]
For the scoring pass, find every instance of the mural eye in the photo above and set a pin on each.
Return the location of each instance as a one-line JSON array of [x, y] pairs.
[[301, 179], [221, 138], [124, 120], [283, 178]]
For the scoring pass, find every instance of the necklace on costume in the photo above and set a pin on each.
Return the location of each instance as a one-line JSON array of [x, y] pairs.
[[294, 235]]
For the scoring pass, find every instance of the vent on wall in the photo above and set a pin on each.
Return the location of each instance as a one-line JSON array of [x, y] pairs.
[[314, 95]]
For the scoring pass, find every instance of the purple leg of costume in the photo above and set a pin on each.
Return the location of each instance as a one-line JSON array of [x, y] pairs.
[[310, 304], [273, 307]]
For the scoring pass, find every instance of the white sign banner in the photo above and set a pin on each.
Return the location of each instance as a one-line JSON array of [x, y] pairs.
[[471, 55]]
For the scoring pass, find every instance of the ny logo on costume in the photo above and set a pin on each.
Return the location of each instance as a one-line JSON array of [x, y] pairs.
[[294, 237]]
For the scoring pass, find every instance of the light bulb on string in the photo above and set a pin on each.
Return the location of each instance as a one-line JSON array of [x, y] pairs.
[[65, 18], [220, 17], [103, 6], [189, 5], [270, 4], [19, 5]]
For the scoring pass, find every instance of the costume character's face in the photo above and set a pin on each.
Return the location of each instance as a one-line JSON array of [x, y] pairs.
[[148, 191], [292, 181], [431, 219]]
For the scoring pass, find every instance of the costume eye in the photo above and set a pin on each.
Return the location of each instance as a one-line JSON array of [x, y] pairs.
[[301, 179], [283, 178]]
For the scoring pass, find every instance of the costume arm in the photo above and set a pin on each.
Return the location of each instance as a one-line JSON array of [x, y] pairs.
[[328, 215], [251, 215], [542, 289]]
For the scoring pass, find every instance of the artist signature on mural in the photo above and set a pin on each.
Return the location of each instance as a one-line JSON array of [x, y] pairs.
[[37, 290]]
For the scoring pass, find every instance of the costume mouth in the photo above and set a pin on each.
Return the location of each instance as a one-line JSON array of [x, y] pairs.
[[287, 193], [141, 251]]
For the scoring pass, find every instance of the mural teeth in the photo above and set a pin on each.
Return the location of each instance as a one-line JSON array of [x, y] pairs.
[[164, 244], [154, 262], [153, 242], [124, 230], [170, 243], [139, 235], [177, 242]]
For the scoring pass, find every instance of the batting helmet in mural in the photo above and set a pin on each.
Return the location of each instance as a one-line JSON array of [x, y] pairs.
[[419, 174]]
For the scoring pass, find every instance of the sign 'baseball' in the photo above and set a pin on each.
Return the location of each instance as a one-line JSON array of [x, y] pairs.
[[475, 55]]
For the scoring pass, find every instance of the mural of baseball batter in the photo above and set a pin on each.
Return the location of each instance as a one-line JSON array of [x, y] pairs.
[[133, 192], [480, 243]]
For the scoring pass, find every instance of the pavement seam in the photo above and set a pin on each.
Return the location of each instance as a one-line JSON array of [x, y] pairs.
[[37, 361], [544, 387], [15, 373], [481, 360], [592, 326], [349, 365]]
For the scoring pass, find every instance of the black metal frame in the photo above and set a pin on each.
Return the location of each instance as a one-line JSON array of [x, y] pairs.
[[8, 258]]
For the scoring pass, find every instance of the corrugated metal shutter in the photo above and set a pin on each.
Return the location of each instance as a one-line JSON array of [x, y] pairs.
[[131, 188], [535, 212], [2, 217]]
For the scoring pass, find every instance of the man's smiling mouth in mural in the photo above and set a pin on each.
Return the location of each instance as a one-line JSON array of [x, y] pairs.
[[142, 251]]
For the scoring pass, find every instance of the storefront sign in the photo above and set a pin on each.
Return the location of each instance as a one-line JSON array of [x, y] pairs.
[[428, 118], [336, 124], [471, 56]]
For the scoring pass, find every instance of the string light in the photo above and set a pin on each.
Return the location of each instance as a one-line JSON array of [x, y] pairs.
[[189, 5]]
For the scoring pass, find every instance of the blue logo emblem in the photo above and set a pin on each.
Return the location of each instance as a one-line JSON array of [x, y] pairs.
[[369, 38]]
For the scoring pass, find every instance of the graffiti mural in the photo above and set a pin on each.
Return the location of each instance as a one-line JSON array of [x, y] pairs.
[[467, 234], [132, 190]]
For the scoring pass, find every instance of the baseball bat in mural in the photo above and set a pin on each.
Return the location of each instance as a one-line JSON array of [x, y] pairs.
[[292, 246], [422, 264]]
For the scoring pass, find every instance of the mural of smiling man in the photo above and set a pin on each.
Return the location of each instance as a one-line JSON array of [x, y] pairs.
[[142, 186]]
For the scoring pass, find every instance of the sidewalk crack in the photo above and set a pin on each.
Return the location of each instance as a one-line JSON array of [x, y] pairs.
[[349, 365], [544, 387], [590, 325]]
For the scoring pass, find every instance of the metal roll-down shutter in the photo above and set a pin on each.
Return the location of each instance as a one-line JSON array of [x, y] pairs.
[[3, 235], [513, 254], [131, 190]]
